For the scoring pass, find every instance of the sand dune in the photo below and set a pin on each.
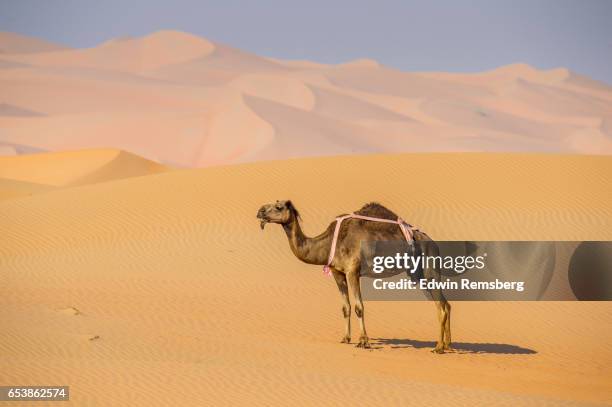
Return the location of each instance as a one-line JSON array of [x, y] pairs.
[[165, 284], [10, 188], [128, 54], [10, 110], [176, 98], [11, 43], [27, 174]]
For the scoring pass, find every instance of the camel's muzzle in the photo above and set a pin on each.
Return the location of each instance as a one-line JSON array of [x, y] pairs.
[[261, 214]]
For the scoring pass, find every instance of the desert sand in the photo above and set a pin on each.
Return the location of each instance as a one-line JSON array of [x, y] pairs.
[[182, 100], [161, 289]]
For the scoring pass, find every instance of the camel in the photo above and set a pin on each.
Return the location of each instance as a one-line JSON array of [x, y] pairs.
[[346, 263]]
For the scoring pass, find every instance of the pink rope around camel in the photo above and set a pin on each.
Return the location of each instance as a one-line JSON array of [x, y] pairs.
[[405, 228]]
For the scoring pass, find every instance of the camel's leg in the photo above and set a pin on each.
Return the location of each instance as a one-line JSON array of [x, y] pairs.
[[447, 328], [346, 304], [442, 318], [353, 278], [443, 307]]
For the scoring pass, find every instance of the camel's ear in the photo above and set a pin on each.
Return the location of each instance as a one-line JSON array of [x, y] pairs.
[[290, 206]]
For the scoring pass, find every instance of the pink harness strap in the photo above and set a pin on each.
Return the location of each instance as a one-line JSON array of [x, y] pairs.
[[405, 228]]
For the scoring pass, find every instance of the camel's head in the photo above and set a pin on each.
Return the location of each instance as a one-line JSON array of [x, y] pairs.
[[281, 212]]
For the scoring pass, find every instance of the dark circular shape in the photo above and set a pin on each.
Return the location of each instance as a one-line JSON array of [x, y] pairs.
[[590, 271]]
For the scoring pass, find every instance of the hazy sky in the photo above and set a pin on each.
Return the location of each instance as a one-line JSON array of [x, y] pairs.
[[410, 35]]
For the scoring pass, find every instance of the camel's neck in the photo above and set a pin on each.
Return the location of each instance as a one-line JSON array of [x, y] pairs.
[[311, 250]]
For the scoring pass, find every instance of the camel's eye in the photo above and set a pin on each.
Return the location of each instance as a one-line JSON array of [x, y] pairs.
[[279, 207]]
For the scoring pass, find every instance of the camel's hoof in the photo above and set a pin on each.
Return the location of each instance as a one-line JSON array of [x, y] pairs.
[[363, 343], [346, 339], [438, 350], [449, 348]]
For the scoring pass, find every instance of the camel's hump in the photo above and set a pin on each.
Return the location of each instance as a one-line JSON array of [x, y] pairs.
[[376, 210]]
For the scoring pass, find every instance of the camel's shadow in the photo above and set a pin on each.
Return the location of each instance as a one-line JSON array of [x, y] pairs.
[[459, 347]]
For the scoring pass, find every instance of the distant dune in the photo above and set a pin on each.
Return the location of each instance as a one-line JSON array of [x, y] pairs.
[[165, 283], [183, 100], [11, 43]]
